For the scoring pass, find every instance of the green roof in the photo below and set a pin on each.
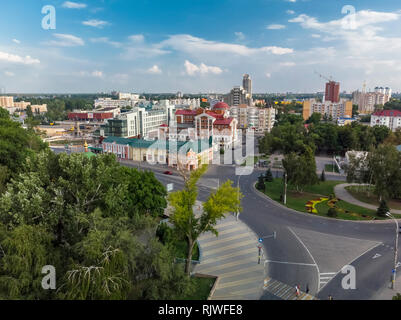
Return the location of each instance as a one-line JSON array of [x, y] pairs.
[[182, 146], [89, 154]]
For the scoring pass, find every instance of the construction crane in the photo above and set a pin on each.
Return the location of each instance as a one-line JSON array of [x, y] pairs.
[[324, 77]]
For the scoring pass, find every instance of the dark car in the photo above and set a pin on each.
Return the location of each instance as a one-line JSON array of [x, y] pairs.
[[168, 172]]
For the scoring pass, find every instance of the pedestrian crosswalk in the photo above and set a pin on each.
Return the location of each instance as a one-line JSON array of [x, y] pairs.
[[284, 291], [233, 258], [324, 278]]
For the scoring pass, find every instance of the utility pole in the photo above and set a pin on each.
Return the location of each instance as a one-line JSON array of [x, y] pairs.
[[285, 188], [237, 216], [395, 249]]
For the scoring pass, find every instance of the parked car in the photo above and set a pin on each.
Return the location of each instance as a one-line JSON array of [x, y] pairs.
[[168, 172]]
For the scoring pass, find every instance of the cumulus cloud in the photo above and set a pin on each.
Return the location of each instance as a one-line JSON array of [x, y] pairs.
[[154, 70], [73, 5], [137, 38], [192, 69], [106, 40], [16, 41], [95, 23], [276, 27], [190, 44], [66, 40], [13, 58]]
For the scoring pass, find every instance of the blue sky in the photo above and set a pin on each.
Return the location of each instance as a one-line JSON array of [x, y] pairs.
[[199, 45]]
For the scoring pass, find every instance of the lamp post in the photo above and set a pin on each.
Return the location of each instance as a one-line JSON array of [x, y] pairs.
[[388, 214], [238, 187]]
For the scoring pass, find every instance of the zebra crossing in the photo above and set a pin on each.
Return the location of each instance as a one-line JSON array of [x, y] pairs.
[[325, 278], [233, 258], [284, 291]]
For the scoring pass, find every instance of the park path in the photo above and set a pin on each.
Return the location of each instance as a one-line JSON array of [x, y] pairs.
[[343, 194]]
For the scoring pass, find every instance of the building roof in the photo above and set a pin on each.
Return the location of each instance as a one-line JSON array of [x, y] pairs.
[[186, 112], [221, 105], [388, 113], [225, 121]]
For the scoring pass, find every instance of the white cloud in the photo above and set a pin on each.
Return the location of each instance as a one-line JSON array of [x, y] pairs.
[[193, 45], [192, 69], [95, 23], [287, 64], [16, 41], [106, 40], [66, 40], [276, 27], [316, 35], [12, 58], [73, 5], [137, 38], [94, 74], [268, 75], [154, 70], [239, 35], [290, 12], [9, 74]]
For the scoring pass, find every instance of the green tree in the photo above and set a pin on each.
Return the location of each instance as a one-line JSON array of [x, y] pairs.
[[314, 118], [383, 209], [226, 199], [269, 175], [323, 176]]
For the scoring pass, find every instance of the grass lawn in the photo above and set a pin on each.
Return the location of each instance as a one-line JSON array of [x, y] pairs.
[[362, 194], [202, 288], [329, 168], [297, 201]]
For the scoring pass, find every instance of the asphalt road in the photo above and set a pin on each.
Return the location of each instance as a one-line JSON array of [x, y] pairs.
[[309, 250]]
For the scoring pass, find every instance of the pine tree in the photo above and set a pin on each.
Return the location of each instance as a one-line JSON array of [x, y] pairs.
[[383, 209], [269, 176], [323, 176]]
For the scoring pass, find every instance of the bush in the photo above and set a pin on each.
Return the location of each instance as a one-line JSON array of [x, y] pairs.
[[332, 213], [269, 176], [383, 209]]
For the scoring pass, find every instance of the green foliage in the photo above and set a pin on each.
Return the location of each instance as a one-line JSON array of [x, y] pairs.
[[268, 176], [315, 118], [219, 203], [397, 297], [4, 114], [260, 185], [323, 176], [383, 209], [301, 169], [332, 212]]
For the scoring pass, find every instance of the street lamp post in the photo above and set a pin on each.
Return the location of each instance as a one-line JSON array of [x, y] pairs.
[[388, 214], [238, 187]]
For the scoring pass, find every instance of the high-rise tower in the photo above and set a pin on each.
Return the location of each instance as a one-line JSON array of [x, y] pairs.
[[247, 84]]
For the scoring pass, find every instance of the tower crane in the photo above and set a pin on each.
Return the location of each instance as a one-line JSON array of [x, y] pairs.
[[324, 77]]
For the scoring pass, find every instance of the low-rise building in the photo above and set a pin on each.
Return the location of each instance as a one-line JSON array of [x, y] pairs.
[[328, 109], [187, 155], [99, 115], [389, 118]]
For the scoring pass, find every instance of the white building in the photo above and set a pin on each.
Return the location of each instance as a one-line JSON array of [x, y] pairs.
[[367, 101], [389, 118], [257, 119], [111, 103]]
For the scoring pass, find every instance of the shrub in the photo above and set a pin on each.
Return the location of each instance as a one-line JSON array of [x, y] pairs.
[[332, 213]]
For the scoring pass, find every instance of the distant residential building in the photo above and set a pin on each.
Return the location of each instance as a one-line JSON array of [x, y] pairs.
[[39, 108], [328, 109], [139, 122], [258, 119], [237, 96], [22, 105], [7, 102], [128, 96], [332, 93], [247, 84], [389, 118], [366, 101], [96, 115], [111, 103]]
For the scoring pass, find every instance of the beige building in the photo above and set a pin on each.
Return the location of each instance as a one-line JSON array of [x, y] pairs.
[[367, 101], [330, 109], [7, 102], [259, 119]]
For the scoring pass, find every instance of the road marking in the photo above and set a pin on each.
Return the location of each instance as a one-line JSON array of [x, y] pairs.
[[228, 231], [231, 255], [313, 259], [377, 255], [294, 263], [238, 283], [221, 241], [226, 224], [224, 266], [235, 245], [242, 271]]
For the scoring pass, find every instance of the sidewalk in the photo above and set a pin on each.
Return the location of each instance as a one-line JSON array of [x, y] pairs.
[[387, 293], [233, 258], [343, 194]]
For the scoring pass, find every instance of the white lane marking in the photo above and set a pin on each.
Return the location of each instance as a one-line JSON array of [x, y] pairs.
[[313, 259], [293, 263], [377, 255]]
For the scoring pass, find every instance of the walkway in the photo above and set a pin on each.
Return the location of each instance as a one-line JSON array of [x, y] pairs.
[[233, 257], [343, 194], [284, 291]]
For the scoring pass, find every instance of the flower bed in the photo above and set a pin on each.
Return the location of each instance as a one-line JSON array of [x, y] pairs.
[[311, 205]]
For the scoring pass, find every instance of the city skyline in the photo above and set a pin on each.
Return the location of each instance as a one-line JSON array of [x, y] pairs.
[[100, 46]]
